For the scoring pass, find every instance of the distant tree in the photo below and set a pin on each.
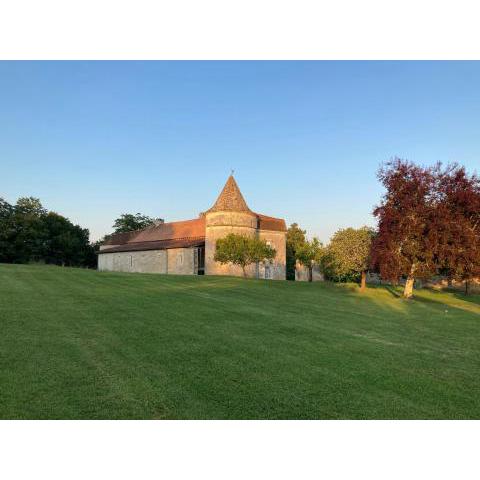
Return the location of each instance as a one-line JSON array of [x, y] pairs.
[[242, 251], [402, 246], [348, 254], [67, 243], [128, 222], [30, 235], [7, 232], [309, 254], [295, 238], [456, 224]]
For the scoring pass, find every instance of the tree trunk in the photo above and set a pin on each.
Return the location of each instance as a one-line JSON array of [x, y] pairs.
[[466, 286], [310, 273], [408, 291], [363, 281], [244, 271]]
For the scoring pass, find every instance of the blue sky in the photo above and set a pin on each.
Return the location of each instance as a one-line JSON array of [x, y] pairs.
[[95, 139]]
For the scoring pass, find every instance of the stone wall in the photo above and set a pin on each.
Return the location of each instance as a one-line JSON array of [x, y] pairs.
[[178, 261], [181, 261], [150, 261], [276, 269], [219, 225], [301, 273]]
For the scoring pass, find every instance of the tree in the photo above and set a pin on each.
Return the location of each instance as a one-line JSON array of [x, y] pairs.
[[310, 253], [128, 222], [348, 254], [457, 224], [67, 243], [28, 232], [30, 235], [402, 246], [7, 232], [295, 238], [242, 250]]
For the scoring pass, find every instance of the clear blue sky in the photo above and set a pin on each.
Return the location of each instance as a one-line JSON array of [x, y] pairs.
[[95, 139]]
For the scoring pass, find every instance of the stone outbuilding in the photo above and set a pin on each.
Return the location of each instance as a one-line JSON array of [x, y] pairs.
[[188, 247]]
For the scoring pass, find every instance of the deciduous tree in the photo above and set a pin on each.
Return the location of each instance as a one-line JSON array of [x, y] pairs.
[[456, 225], [348, 254], [310, 253], [402, 246], [295, 238], [242, 251], [128, 222]]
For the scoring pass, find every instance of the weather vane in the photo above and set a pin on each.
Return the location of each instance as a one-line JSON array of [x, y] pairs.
[[232, 171]]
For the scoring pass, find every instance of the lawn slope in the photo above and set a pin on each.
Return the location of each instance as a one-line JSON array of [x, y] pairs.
[[82, 344]]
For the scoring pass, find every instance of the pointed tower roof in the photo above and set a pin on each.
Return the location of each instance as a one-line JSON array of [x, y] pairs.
[[230, 199]]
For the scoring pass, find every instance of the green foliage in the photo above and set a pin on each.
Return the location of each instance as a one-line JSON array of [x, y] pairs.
[[67, 243], [242, 250], [295, 239], [29, 233], [348, 254], [128, 222], [310, 253], [7, 232]]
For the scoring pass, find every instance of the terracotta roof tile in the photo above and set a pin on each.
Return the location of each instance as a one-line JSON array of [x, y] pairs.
[[171, 230], [120, 238], [230, 199], [157, 245], [271, 223]]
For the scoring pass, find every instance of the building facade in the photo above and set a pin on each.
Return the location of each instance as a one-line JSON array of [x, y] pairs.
[[188, 247]]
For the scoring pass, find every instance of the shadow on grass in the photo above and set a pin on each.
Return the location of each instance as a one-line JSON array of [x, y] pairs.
[[473, 298]]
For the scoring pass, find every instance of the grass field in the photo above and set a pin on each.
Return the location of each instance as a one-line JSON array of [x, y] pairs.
[[82, 344]]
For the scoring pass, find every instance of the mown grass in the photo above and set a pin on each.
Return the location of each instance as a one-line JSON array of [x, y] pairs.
[[81, 344]]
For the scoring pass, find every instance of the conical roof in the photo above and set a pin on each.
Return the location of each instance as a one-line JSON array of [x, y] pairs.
[[230, 199]]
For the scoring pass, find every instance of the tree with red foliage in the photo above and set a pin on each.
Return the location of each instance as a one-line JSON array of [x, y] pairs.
[[403, 245], [456, 226]]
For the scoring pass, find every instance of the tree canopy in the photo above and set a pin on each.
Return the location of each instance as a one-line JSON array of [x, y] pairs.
[[347, 256], [428, 222], [128, 222], [295, 239], [310, 253], [457, 224], [29, 233], [404, 219], [242, 250]]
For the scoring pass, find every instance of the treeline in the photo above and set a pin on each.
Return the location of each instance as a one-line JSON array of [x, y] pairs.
[[428, 224], [29, 233]]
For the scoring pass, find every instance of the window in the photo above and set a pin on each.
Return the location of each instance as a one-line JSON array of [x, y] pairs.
[[268, 272]]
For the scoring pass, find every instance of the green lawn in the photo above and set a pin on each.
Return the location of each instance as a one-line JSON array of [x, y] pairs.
[[82, 344]]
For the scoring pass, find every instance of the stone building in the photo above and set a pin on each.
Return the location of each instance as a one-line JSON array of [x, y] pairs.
[[188, 247]]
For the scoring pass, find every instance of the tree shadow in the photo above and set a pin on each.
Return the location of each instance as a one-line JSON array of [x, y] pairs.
[[472, 297]]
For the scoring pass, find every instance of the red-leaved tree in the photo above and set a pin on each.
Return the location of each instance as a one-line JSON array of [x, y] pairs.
[[403, 244], [456, 225]]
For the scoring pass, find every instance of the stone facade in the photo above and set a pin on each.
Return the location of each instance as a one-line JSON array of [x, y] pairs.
[[301, 273], [177, 261], [188, 247]]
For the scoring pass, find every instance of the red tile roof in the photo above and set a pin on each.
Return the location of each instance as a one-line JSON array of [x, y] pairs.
[[162, 231], [157, 245], [271, 223]]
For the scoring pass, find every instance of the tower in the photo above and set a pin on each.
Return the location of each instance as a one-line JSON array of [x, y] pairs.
[[229, 214]]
